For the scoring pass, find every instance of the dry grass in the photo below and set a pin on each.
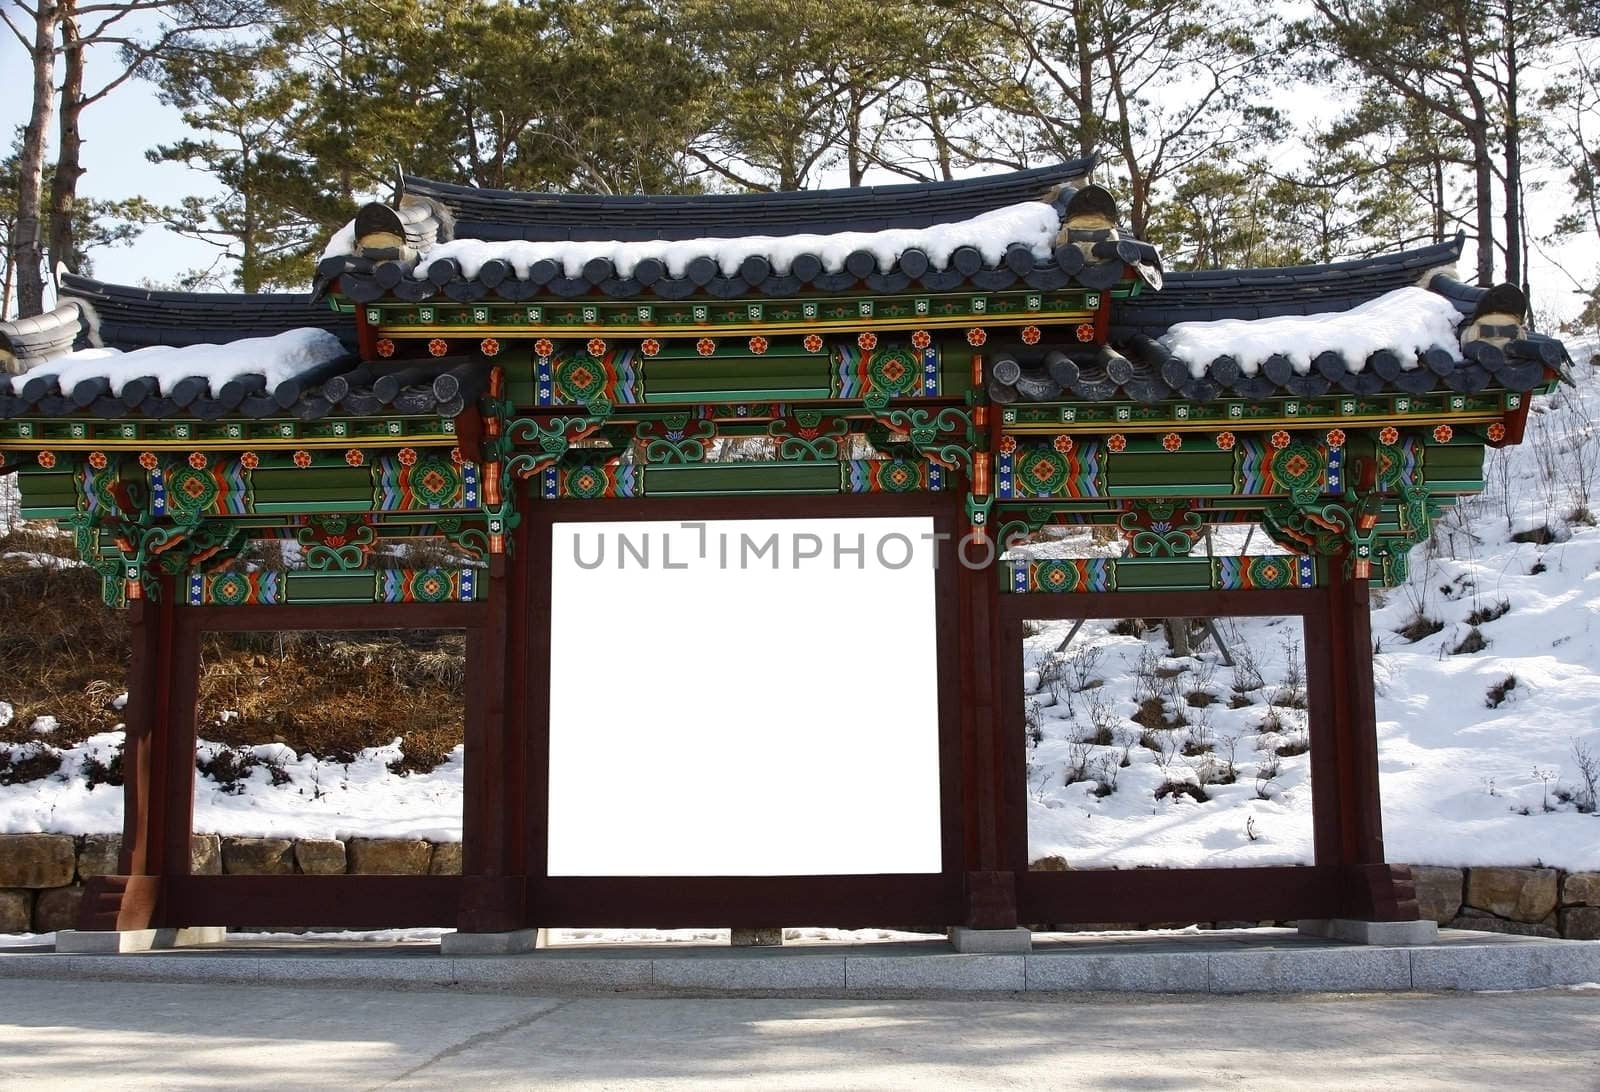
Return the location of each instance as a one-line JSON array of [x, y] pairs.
[[63, 653]]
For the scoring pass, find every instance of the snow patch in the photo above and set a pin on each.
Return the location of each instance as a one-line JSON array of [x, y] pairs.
[[1405, 321], [44, 726], [1033, 223], [279, 358]]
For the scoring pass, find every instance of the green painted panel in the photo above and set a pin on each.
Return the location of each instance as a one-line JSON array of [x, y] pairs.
[[1164, 573], [750, 394], [315, 587], [680, 481]]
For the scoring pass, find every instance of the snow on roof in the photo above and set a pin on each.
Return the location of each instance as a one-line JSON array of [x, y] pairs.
[[279, 358], [1032, 223], [1405, 321]]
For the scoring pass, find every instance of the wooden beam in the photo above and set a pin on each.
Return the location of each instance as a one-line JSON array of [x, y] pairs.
[[1188, 895]]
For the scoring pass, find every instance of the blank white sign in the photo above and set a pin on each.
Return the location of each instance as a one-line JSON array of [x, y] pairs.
[[743, 698]]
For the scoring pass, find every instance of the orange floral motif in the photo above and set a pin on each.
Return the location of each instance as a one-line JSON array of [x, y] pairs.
[[197, 460], [813, 343], [921, 339], [456, 457], [302, 459], [47, 459], [544, 346], [1226, 440], [1496, 432], [1172, 441], [977, 336], [1442, 434], [407, 456], [867, 340], [147, 459], [1031, 335], [489, 347], [1084, 331], [1117, 442], [1008, 444], [596, 346], [705, 346], [649, 346], [97, 459], [1280, 439], [758, 345], [1336, 437], [1389, 436], [249, 460], [385, 347], [1063, 444], [438, 347], [354, 457]]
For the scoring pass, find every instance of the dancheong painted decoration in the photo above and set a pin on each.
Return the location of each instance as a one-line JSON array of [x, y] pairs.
[[996, 352]]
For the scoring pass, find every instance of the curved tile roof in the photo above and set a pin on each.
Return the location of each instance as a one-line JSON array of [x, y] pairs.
[[1205, 295], [511, 214], [130, 318]]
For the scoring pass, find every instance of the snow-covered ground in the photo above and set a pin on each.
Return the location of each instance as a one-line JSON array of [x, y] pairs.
[[1464, 782]]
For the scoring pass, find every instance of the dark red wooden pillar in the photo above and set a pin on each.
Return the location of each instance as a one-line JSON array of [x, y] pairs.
[[494, 889], [158, 767], [990, 890], [1373, 890]]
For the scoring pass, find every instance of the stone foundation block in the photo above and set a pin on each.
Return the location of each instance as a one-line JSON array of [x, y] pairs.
[[1387, 933], [57, 909], [990, 941], [1488, 923], [755, 938], [205, 855], [487, 944], [98, 855], [16, 911], [258, 856], [1439, 892], [320, 856], [1581, 889], [446, 859], [37, 860], [1581, 923], [118, 942], [389, 856], [1520, 894]]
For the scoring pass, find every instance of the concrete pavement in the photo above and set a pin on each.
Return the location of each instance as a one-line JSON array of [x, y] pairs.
[[165, 1035]]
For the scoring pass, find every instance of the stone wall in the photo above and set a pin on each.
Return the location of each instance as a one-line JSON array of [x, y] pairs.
[[41, 879], [41, 875]]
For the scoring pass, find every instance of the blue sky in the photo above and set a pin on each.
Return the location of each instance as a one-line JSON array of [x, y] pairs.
[[119, 130]]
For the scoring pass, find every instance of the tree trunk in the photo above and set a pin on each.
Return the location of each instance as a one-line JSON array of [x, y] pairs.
[[1483, 175], [30, 180], [1513, 180], [69, 152]]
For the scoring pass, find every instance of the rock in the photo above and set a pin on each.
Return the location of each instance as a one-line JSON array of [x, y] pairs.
[[1438, 892], [320, 856], [1581, 889], [37, 860], [1581, 923], [258, 856], [1521, 894], [446, 859], [56, 909], [205, 855], [98, 855], [755, 938], [1050, 864], [389, 856], [16, 911], [1488, 923]]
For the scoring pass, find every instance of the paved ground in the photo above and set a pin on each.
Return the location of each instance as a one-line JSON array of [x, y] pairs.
[[152, 1035]]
